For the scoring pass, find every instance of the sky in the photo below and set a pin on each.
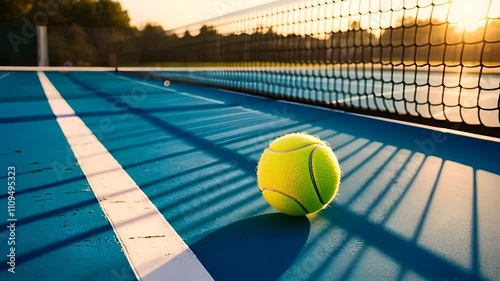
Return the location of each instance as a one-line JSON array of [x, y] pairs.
[[466, 14], [176, 13]]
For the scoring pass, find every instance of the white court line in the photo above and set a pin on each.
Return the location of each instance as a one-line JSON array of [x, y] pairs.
[[5, 75], [153, 248], [442, 130], [308, 105], [54, 68], [243, 94], [351, 66], [165, 89]]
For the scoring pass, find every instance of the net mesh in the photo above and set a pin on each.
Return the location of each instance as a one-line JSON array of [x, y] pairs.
[[414, 59], [418, 60], [435, 62]]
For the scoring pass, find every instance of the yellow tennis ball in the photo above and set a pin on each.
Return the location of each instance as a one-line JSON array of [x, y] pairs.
[[298, 174]]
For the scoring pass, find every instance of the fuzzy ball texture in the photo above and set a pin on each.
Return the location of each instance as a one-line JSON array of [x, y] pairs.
[[298, 174]]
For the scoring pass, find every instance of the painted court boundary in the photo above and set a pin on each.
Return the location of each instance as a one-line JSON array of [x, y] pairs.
[[168, 90], [153, 248], [384, 119]]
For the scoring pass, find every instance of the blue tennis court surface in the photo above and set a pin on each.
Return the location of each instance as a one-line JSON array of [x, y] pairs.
[[455, 95], [414, 203]]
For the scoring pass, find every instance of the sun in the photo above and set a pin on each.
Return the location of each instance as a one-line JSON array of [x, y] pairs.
[[469, 15]]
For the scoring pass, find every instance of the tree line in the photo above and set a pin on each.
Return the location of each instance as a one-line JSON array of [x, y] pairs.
[[98, 32], [79, 31], [409, 41]]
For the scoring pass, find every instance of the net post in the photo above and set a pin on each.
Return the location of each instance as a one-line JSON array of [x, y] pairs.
[[42, 45]]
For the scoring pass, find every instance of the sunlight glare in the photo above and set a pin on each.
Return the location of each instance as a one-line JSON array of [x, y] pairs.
[[469, 15]]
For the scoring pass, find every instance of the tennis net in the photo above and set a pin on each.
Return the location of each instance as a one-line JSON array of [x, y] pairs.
[[413, 60]]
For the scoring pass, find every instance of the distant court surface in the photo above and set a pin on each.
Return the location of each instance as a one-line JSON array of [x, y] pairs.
[[423, 92], [415, 202]]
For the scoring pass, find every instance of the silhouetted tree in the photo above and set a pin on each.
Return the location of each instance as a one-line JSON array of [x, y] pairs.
[[72, 47]]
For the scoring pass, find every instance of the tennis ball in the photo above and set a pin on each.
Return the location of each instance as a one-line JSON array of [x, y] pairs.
[[298, 174]]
